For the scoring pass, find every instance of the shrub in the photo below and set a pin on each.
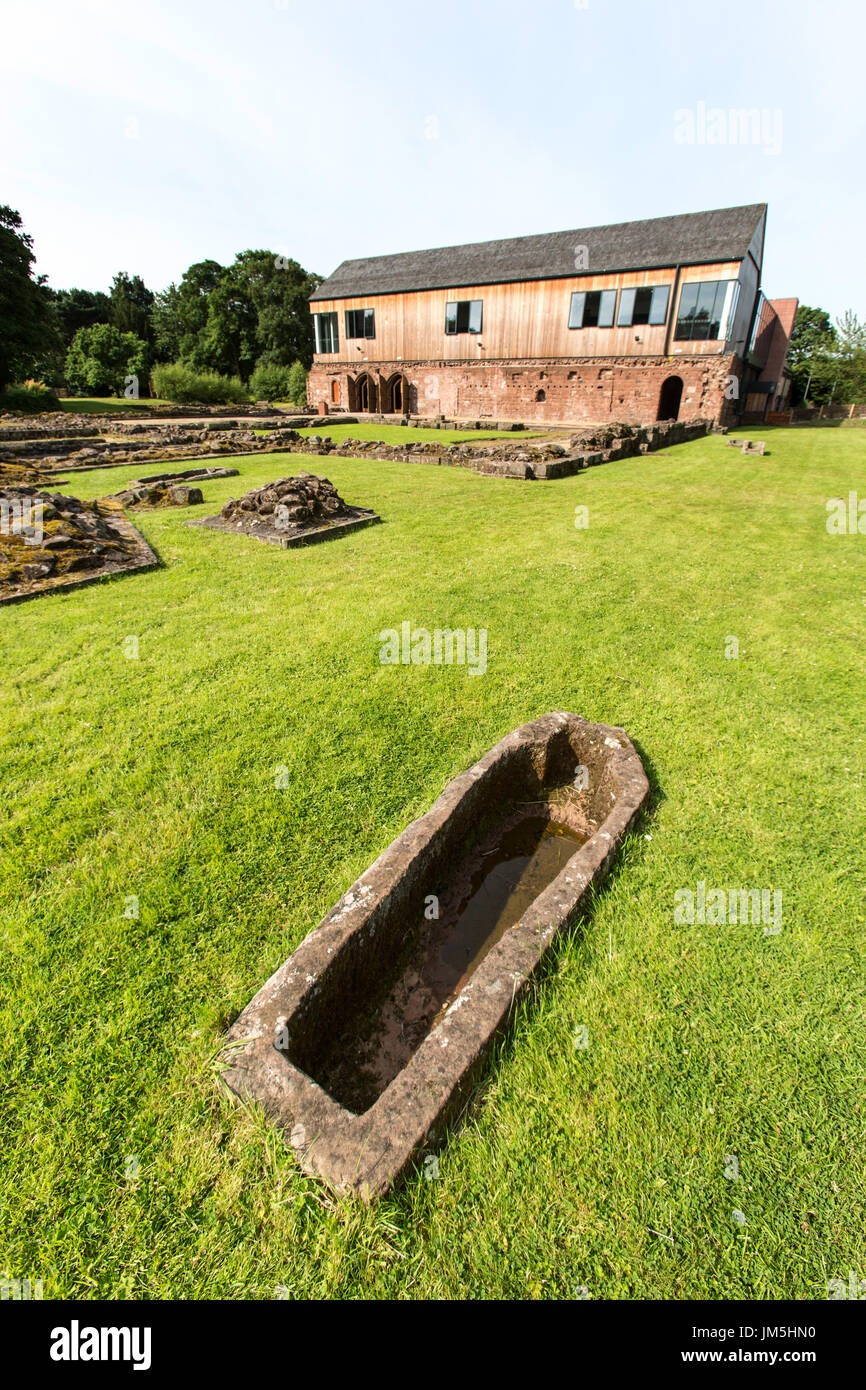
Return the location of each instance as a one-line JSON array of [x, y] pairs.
[[297, 385], [270, 382], [172, 381], [29, 398]]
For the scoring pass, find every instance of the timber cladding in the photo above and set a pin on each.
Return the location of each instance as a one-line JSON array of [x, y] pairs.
[[529, 319]]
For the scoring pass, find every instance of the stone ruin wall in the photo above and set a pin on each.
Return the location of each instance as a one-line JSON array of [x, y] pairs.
[[596, 390]]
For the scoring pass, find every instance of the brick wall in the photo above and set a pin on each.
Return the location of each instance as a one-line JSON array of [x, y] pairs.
[[593, 390]]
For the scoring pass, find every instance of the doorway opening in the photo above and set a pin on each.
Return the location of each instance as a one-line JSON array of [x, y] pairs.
[[669, 398], [395, 395]]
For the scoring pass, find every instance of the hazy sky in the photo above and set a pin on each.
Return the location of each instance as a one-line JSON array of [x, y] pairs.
[[145, 136]]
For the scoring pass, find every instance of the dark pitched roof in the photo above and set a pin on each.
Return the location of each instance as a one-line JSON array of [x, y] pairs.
[[691, 238]]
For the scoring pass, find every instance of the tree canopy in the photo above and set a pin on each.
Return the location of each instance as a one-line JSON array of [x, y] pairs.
[[27, 326], [827, 361], [101, 359], [235, 318]]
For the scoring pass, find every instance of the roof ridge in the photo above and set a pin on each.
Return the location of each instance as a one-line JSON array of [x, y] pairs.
[[715, 234]]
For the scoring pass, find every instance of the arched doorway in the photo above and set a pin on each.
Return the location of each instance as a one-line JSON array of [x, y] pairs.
[[395, 395], [366, 393], [669, 398], [335, 392]]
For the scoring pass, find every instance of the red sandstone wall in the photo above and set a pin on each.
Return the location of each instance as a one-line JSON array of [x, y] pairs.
[[594, 390]]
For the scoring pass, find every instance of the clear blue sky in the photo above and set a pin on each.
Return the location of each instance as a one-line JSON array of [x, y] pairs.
[[144, 136]]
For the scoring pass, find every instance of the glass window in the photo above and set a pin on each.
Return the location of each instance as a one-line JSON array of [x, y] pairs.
[[463, 316], [327, 334], [592, 309], [646, 305], [702, 311], [659, 306], [360, 323]]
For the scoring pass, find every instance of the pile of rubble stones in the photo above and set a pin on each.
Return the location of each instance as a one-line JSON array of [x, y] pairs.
[[169, 489], [287, 503]]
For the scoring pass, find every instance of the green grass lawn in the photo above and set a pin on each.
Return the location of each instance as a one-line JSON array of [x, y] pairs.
[[125, 1170], [100, 405], [404, 434]]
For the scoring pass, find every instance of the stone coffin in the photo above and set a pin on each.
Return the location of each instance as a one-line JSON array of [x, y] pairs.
[[280, 1051]]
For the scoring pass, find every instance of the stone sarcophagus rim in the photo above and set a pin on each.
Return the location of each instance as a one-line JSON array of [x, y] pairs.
[[274, 1049]]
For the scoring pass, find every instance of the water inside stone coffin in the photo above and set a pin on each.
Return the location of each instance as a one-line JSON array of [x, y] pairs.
[[492, 891]]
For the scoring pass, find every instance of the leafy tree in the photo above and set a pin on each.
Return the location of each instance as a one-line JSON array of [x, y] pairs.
[[811, 334], [827, 363], [100, 359], [228, 342], [79, 309], [131, 306], [180, 315], [810, 354], [27, 325], [851, 335], [279, 289], [233, 319]]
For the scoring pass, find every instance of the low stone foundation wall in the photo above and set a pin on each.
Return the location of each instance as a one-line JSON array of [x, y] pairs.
[[529, 459]]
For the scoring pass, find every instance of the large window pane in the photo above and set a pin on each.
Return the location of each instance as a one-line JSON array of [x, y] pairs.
[[626, 308], [606, 308], [327, 336], [592, 309], [575, 313], [702, 311], [647, 304], [659, 306], [463, 316], [360, 323]]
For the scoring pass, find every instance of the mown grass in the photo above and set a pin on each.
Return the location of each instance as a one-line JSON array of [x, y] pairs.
[[603, 1166], [404, 434], [100, 405]]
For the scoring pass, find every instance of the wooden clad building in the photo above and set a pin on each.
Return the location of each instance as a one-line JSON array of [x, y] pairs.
[[634, 322]]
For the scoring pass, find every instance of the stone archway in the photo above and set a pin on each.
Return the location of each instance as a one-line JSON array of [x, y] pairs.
[[395, 395], [669, 398], [363, 395]]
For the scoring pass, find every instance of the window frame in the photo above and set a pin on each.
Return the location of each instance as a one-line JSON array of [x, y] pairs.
[[368, 323], [333, 333], [584, 295], [474, 311], [656, 317], [724, 301]]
